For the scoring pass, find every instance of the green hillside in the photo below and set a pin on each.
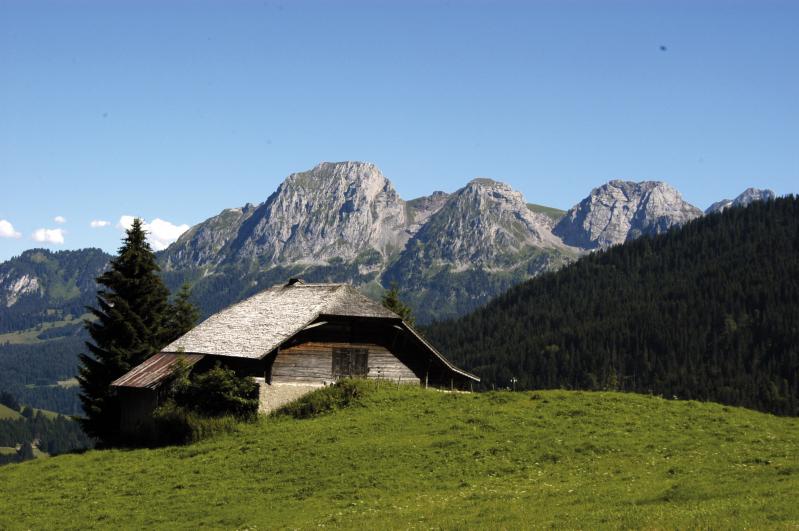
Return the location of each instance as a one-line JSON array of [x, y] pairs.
[[8, 413], [65, 285], [413, 458]]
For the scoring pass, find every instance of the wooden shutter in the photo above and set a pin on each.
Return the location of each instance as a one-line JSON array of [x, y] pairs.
[[350, 362]]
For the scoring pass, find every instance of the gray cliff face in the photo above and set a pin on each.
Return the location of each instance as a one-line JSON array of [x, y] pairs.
[[422, 208], [484, 224], [745, 198], [206, 242], [621, 210], [334, 211]]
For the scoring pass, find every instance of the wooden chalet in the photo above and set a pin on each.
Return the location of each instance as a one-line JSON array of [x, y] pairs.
[[292, 339]]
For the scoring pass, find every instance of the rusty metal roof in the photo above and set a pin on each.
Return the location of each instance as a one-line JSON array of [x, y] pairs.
[[155, 370]]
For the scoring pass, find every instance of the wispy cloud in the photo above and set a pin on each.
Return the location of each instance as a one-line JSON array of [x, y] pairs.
[[60, 219], [160, 233], [99, 223], [49, 236], [7, 230]]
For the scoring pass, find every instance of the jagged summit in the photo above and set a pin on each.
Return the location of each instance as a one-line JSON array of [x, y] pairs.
[[623, 210], [335, 210], [486, 224], [745, 198]]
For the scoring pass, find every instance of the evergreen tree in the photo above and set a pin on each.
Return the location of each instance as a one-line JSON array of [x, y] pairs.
[[131, 314], [9, 400], [182, 315], [392, 301]]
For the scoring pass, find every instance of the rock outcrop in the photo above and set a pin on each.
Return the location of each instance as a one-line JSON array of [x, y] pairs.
[[745, 198], [484, 224], [622, 210]]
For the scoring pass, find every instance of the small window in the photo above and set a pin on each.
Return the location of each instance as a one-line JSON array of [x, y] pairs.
[[350, 362]]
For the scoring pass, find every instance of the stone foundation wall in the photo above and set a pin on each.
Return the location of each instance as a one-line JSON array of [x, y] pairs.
[[272, 396]]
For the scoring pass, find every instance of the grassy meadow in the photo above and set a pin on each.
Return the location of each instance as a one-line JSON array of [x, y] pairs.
[[415, 458], [8, 413]]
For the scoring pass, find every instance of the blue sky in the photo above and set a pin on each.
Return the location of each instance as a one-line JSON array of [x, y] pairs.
[[175, 110]]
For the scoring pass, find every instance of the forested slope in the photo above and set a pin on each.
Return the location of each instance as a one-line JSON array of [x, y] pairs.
[[709, 311]]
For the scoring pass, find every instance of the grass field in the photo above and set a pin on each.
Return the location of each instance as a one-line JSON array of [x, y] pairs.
[[413, 458], [8, 413]]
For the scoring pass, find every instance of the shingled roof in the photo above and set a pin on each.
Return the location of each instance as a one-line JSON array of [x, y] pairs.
[[256, 326]]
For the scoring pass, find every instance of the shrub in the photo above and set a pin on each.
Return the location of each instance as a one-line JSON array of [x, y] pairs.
[[173, 424], [217, 392], [337, 396], [198, 406]]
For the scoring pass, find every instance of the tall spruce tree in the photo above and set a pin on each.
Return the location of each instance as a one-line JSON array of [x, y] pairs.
[[182, 315], [130, 326], [392, 301]]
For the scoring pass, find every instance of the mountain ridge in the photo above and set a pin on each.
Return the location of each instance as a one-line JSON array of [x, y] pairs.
[[345, 222]]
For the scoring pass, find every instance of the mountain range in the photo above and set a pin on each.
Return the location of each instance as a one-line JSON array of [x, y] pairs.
[[345, 222]]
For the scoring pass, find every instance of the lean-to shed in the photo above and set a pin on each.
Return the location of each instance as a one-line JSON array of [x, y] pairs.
[[292, 339]]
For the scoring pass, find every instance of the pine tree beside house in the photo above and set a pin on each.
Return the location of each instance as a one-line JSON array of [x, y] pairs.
[[133, 320], [392, 302]]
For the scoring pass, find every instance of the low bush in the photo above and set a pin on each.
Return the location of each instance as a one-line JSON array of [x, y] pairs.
[[198, 406], [173, 424], [217, 392], [337, 396]]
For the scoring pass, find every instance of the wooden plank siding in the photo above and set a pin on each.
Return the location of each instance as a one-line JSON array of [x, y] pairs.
[[312, 361]]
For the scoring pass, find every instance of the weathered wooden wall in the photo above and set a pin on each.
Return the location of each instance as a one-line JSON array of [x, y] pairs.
[[308, 356], [312, 361], [138, 405]]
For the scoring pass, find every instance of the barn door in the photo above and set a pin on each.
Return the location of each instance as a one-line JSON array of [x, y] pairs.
[[350, 362]]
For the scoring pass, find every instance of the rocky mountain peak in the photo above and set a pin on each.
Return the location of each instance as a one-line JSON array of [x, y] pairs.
[[745, 198], [484, 224], [341, 176], [623, 210], [334, 211]]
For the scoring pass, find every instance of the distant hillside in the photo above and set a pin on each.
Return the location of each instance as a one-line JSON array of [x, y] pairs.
[[34, 433], [709, 311], [31, 372], [41, 286], [7, 413], [411, 458]]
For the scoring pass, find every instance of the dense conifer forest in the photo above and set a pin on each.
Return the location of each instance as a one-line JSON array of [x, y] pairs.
[[30, 372], [709, 311]]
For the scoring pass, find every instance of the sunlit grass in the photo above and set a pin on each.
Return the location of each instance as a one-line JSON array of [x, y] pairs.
[[411, 458]]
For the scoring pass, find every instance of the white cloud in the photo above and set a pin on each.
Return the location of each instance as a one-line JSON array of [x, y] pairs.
[[160, 233], [7, 230], [60, 219], [125, 222], [99, 223], [49, 235]]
